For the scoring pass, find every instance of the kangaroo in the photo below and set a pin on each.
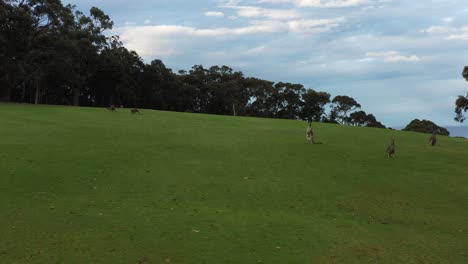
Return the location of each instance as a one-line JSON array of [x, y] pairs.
[[433, 139], [310, 134], [391, 149], [135, 111], [111, 108]]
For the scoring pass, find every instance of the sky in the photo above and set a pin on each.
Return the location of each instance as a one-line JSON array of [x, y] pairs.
[[400, 59]]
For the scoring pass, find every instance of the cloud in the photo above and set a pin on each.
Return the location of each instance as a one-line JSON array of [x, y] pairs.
[[314, 25], [313, 3], [214, 14], [449, 33], [331, 3], [168, 40], [460, 34], [258, 12], [325, 3], [439, 30], [275, 1], [393, 56], [447, 19], [225, 3], [237, 55]]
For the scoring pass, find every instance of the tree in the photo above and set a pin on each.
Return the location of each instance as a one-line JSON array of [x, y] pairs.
[[87, 40], [16, 27], [372, 122], [426, 126], [314, 105], [461, 105], [29, 30], [262, 100], [341, 106], [358, 118], [116, 81], [289, 103], [226, 90], [361, 118]]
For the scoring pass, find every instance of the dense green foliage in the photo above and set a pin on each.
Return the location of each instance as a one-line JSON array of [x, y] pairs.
[[86, 185], [461, 104], [426, 126], [54, 54]]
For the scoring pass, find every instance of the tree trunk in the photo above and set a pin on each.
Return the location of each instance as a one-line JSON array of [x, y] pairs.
[[23, 91], [5, 93], [76, 96], [36, 96]]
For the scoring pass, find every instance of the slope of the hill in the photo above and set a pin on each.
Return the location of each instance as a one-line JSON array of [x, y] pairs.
[[85, 185]]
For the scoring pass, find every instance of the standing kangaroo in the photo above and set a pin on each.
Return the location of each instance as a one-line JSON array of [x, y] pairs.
[[433, 139], [310, 134], [391, 149]]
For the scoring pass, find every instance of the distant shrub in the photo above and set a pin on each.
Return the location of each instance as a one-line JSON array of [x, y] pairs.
[[426, 126]]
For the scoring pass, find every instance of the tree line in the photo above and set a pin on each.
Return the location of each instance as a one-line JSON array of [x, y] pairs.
[[52, 53]]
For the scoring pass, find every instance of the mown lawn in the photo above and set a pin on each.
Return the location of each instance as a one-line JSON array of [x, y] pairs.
[[85, 185]]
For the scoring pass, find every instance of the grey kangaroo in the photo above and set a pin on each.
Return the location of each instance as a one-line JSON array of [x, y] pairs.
[[433, 139], [391, 149], [310, 134]]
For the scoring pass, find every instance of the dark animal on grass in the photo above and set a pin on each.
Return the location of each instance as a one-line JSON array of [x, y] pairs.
[[135, 111], [310, 134], [433, 139], [391, 149], [111, 108]]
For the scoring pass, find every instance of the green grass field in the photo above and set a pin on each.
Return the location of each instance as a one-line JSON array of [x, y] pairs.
[[85, 185]]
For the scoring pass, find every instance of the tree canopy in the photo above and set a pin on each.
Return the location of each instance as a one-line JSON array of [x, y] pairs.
[[361, 118], [342, 105], [426, 126], [461, 104]]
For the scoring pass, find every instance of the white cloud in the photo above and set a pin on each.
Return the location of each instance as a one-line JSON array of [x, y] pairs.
[[439, 29], [256, 12], [227, 3], [325, 3], [275, 1], [449, 33], [314, 25], [460, 36], [238, 55], [214, 14], [331, 3], [393, 56], [167, 40], [447, 19], [147, 21]]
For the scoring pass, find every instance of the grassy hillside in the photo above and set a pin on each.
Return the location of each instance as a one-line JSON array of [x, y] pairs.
[[85, 185]]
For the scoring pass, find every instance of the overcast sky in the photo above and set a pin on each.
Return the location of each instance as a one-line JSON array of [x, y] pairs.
[[401, 59]]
